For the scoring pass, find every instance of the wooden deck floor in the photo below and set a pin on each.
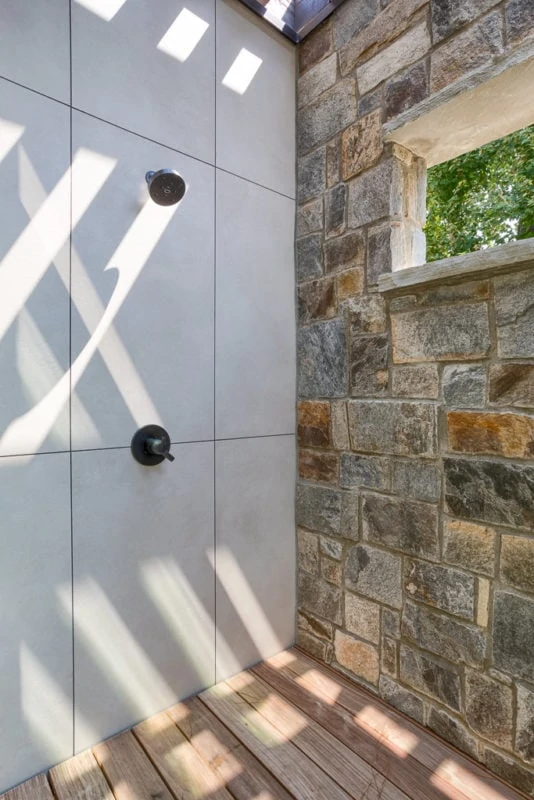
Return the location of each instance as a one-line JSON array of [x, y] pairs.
[[288, 728]]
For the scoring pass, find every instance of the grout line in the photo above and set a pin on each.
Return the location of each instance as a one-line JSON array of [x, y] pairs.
[[70, 396]]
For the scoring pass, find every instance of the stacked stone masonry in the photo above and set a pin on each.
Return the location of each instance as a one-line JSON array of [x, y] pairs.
[[415, 500]]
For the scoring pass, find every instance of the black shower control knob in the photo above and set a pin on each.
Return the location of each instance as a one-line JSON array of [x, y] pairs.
[[151, 445]]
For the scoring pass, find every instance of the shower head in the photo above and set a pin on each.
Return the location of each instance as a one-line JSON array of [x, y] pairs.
[[166, 186]]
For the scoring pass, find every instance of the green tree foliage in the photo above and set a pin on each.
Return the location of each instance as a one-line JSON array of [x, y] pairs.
[[483, 198]]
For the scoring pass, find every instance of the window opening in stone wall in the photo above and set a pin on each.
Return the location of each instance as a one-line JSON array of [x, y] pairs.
[[483, 198]]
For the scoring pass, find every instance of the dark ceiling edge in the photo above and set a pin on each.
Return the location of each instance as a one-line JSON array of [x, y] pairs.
[[296, 36]]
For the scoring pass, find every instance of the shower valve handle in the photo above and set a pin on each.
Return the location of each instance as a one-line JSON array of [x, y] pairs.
[[159, 447]]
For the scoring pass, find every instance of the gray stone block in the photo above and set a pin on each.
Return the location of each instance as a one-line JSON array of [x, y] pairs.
[[322, 120], [311, 175], [309, 256], [514, 314], [317, 80], [391, 623], [489, 708], [364, 471], [368, 199], [446, 333], [448, 16], [335, 210], [427, 676], [510, 771], [375, 574], [513, 635], [369, 365], [351, 18], [519, 17], [401, 524], [443, 636], [322, 359], [344, 252], [452, 731], [416, 381], [319, 508], [406, 89], [320, 598], [490, 491], [417, 480], [442, 587], [524, 739], [392, 426], [310, 218], [512, 385], [400, 698], [464, 386]]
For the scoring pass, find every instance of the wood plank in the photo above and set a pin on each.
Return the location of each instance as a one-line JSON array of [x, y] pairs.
[[406, 773], [242, 774], [128, 770], [177, 761], [352, 773], [289, 765], [35, 789], [463, 773], [80, 778]]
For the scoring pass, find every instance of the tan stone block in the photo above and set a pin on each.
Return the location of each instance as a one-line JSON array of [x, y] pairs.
[[358, 657], [362, 617], [517, 562], [405, 50], [483, 599], [361, 144], [349, 284], [340, 428], [331, 571], [314, 423], [318, 466], [308, 551], [470, 546], [508, 435]]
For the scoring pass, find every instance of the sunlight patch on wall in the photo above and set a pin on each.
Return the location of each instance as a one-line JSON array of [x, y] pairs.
[[105, 9], [10, 133], [242, 72], [183, 36]]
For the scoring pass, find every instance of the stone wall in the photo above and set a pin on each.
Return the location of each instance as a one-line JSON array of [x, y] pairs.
[[415, 502]]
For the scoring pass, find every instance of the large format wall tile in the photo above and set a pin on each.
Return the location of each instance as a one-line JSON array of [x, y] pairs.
[[134, 68], [255, 559], [255, 99], [143, 585], [35, 630], [35, 45], [142, 291], [34, 271], [255, 348]]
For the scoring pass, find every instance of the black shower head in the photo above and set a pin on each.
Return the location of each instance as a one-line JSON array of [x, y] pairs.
[[166, 186]]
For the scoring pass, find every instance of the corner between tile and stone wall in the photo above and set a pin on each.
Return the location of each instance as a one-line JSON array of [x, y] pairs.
[[415, 500]]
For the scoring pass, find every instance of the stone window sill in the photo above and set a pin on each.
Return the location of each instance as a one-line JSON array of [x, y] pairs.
[[484, 263]]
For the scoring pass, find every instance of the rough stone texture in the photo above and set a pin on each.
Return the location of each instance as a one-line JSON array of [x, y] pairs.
[[452, 731], [464, 385], [316, 300], [490, 491], [344, 252], [431, 678], [513, 635], [401, 525], [350, 505], [316, 627], [316, 47], [349, 284], [319, 508], [322, 356], [364, 471], [331, 547], [367, 315], [361, 145], [448, 16], [375, 574], [383, 29], [318, 649], [389, 657], [340, 427], [313, 423], [333, 163], [309, 257], [407, 49], [507, 435], [331, 571], [514, 311], [358, 657], [318, 466], [308, 551], [510, 771], [351, 18], [395, 427], [368, 365], [378, 252], [512, 385], [362, 617], [311, 175], [320, 121], [419, 381], [443, 636], [524, 742], [371, 101], [489, 708], [391, 623], [483, 602], [417, 480], [470, 546], [335, 210], [368, 202], [519, 17], [406, 89], [320, 598], [442, 587], [310, 218], [517, 562], [470, 50], [441, 334], [401, 698], [317, 80]]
